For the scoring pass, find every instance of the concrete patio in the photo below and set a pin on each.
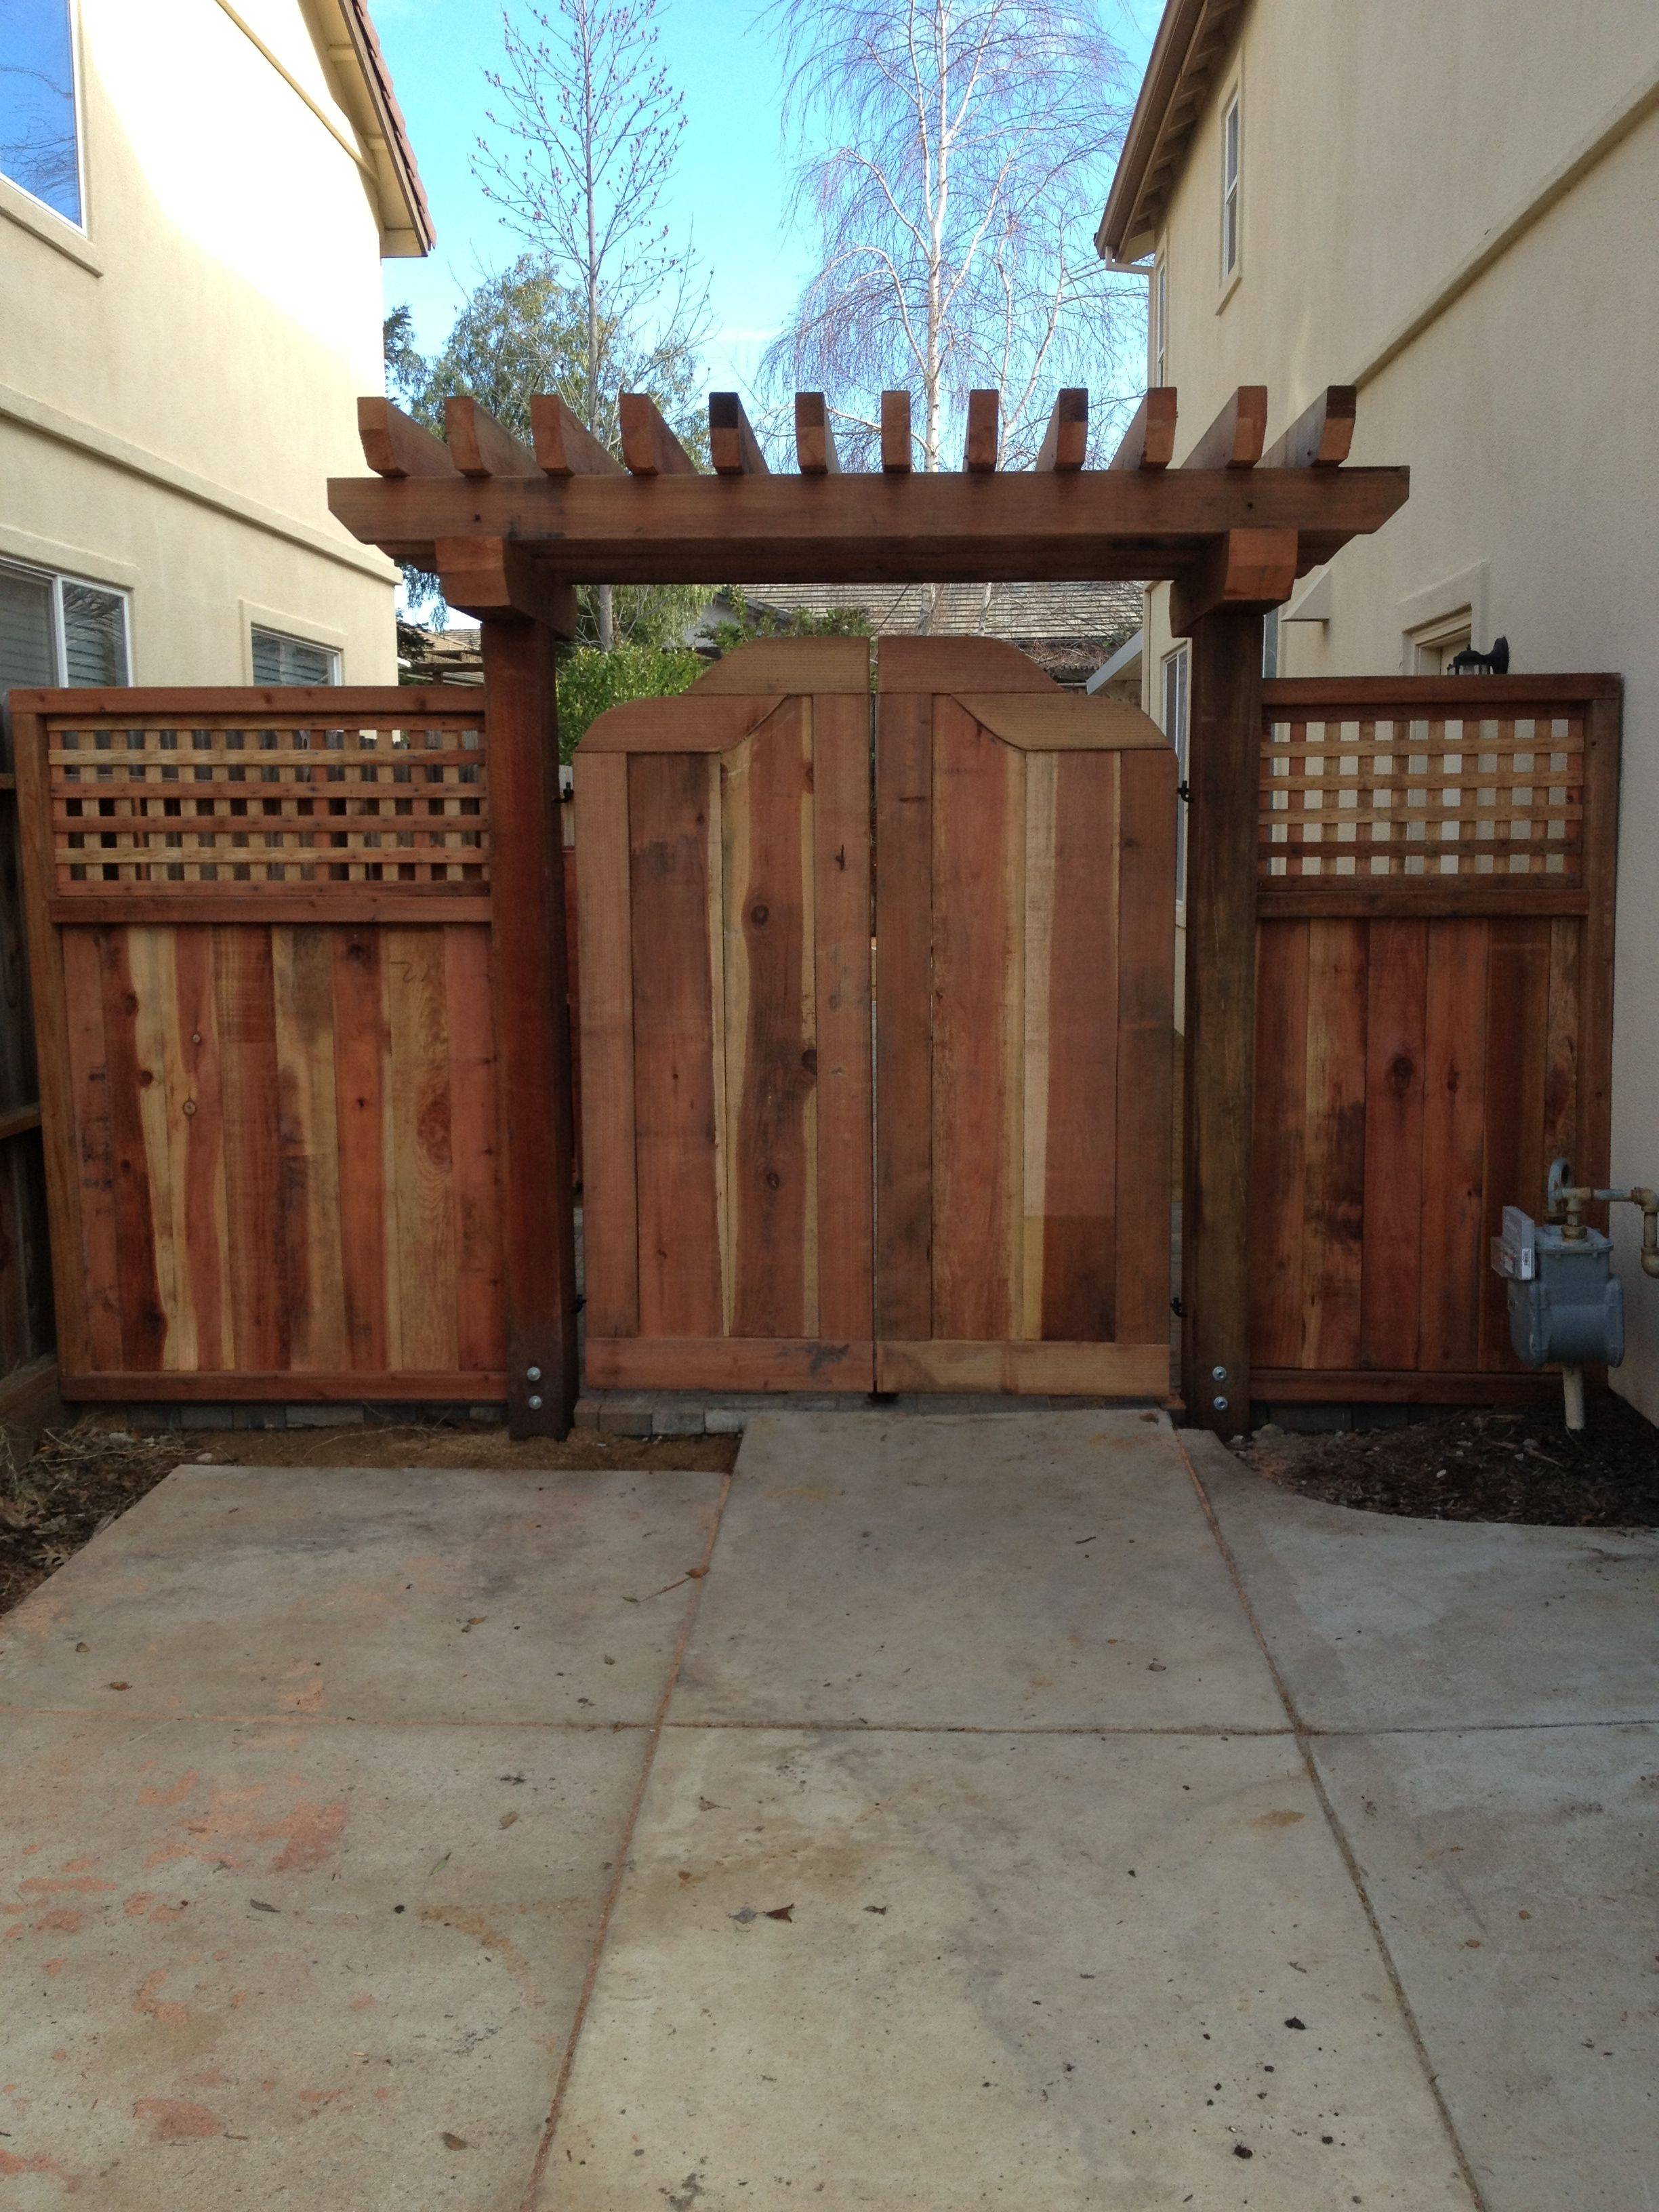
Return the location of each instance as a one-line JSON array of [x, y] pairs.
[[944, 1813]]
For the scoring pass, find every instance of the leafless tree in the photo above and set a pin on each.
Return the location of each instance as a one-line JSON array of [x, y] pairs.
[[591, 127], [961, 150]]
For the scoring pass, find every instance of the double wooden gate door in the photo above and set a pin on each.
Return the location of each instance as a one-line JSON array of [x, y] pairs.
[[877, 1037]]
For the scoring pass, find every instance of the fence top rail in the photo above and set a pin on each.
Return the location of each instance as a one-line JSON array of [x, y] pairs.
[[300, 704], [1286, 695]]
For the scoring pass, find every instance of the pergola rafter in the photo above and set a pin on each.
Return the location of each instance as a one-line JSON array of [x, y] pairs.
[[511, 529], [578, 516]]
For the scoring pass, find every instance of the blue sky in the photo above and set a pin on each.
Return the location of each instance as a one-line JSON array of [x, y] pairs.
[[732, 182]]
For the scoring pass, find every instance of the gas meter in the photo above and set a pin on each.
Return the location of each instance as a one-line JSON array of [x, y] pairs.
[[1566, 1305]]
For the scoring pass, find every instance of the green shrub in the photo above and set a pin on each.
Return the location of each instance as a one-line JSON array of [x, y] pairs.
[[590, 681]]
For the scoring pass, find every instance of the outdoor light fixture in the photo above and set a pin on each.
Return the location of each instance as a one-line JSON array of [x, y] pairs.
[[1471, 663]]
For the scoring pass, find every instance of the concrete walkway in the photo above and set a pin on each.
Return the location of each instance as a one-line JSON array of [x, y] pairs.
[[957, 1813]]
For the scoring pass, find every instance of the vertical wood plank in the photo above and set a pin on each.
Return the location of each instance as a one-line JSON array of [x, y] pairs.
[[841, 861], [308, 1139], [1336, 1143], [206, 1230], [609, 1214], [1562, 1048], [1517, 1034], [1042, 833], [1279, 1161], [1086, 983], [1603, 730], [1453, 1114], [92, 1257], [979, 839], [530, 985], [673, 1062], [728, 970], [905, 1106], [1225, 725], [160, 1100], [766, 836], [361, 1051], [1397, 989], [245, 989], [422, 1148], [480, 1319], [1145, 1021], [143, 1317]]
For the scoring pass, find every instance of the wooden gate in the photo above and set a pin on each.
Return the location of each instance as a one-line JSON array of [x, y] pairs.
[[724, 907], [1025, 933], [1014, 1234]]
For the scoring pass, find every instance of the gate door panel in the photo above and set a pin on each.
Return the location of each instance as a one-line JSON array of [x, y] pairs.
[[724, 906], [1025, 930]]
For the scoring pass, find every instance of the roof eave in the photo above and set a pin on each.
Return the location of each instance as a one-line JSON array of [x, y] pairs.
[[1193, 38], [405, 220]]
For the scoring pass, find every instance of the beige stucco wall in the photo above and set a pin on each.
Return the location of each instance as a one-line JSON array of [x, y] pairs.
[[176, 387], [1385, 142]]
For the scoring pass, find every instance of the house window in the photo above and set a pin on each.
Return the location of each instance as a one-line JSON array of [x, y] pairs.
[[1160, 320], [1229, 148], [39, 141], [279, 659], [1270, 637], [57, 630], [1175, 729]]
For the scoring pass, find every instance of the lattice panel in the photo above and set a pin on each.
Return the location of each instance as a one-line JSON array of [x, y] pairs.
[[271, 804], [1435, 794]]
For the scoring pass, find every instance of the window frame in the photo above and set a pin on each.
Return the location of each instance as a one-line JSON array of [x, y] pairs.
[[1232, 186], [79, 224], [1177, 666], [57, 578], [258, 627]]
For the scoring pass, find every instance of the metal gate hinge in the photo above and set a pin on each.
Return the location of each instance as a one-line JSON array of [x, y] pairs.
[[1184, 791], [1177, 1309]]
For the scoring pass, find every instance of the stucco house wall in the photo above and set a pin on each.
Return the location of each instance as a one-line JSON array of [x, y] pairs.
[[178, 373], [1450, 203]]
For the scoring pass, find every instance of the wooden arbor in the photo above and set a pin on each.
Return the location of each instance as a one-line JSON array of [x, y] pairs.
[[511, 529]]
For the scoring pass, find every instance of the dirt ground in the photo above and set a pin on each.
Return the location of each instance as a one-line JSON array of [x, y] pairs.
[[1479, 1464], [79, 1477]]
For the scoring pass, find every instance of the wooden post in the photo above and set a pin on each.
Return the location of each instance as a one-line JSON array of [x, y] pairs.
[[1223, 754], [530, 973]]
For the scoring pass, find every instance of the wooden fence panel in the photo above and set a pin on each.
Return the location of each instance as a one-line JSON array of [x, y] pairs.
[[1026, 924], [261, 947], [1433, 1016], [725, 956]]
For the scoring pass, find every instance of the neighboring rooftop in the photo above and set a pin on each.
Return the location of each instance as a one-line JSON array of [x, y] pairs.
[[1068, 629]]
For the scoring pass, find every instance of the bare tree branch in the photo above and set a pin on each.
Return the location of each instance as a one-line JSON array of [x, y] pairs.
[[960, 151], [591, 129]]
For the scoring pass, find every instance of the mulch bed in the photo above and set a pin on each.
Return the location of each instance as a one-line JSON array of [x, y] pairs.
[[1481, 1464], [80, 1479], [76, 1482]]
